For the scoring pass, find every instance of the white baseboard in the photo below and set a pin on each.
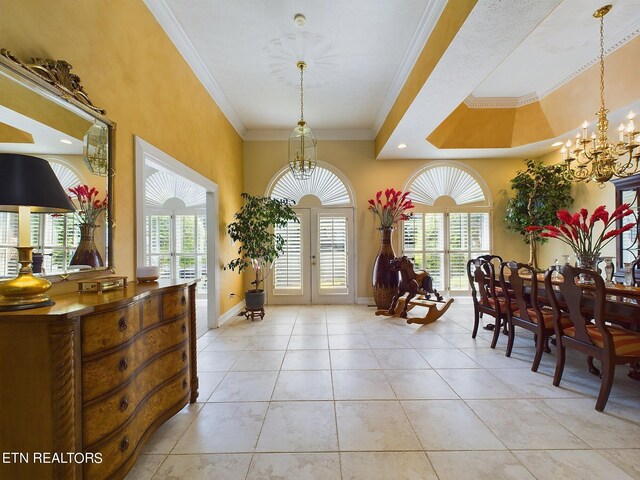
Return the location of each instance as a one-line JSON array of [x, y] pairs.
[[365, 301], [229, 314]]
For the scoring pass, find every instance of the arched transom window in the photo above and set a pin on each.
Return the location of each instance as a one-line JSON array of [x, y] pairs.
[[451, 223], [323, 184]]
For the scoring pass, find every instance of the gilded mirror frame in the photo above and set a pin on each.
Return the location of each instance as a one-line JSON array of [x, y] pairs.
[[52, 79]]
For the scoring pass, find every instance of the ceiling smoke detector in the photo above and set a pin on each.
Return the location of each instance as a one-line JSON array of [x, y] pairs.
[[299, 19]]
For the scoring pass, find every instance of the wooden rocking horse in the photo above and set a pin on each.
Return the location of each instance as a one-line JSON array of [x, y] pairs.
[[412, 283]]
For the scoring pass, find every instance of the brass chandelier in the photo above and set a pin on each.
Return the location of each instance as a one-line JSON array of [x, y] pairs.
[[302, 142], [595, 157]]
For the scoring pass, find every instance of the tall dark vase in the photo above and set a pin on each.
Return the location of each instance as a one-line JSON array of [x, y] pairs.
[[385, 281], [87, 253]]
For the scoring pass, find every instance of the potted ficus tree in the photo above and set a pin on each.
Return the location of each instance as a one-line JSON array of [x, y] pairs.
[[539, 192], [259, 246]]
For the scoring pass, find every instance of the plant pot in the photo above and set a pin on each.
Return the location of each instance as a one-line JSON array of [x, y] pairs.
[[385, 281], [255, 300]]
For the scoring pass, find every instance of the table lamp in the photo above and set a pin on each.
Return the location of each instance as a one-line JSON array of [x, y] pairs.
[[28, 184]]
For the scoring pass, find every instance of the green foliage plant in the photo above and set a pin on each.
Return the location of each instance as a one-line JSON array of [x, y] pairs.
[[254, 229], [539, 192]]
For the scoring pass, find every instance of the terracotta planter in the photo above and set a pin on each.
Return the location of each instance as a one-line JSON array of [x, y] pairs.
[[87, 253], [385, 281]]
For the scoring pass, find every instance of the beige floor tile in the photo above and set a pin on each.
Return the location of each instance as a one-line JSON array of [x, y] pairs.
[[386, 466], [495, 358], [204, 467], [400, 359], [213, 361], [535, 430], [570, 465], [304, 385], [476, 384], [628, 460], [310, 329], [361, 385], [251, 361], [464, 340], [374, 426], [428, 340], [223, 428], [449, 425], [268, 342], [388, 341], [348, 342], [245, 387], [353, 360], [295, 466], [484, 465], [608, 429], [299, 427], [225, 343], [344, 329], [532, 385], [276, 329], [450, 327], [308, 342], [207, 383], [306, 360], [145, 467], [165, 438], [419, 384], [446, 358]]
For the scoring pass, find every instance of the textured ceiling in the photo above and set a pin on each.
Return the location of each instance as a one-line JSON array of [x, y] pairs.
[[360, 52]]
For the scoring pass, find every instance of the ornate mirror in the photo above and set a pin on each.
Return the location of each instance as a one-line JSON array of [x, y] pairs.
[[44, 112]]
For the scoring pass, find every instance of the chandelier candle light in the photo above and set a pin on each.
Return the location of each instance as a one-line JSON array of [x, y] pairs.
[[596, 157], [302, 143]]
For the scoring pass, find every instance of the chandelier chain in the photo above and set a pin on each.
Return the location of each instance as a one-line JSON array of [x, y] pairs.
[[301, 92], [602, 62]]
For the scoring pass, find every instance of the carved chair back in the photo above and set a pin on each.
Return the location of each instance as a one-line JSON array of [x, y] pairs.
[[514, 288]]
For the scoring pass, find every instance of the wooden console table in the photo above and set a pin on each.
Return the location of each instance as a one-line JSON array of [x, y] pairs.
[[94, 376]]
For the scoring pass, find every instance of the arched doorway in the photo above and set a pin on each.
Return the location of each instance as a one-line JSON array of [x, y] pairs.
[[318, 264], [451, 223]]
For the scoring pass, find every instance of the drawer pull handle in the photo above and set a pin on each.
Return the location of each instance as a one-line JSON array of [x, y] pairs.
[[184, 384], [124, 404], [124, 444], [183, 301], [122, 324], [184, 328], [184, 356], [123, 364]]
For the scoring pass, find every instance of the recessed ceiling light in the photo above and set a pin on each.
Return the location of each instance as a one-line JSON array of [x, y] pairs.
[[402, 145], [556, 144], [68, 142], [299, 19]]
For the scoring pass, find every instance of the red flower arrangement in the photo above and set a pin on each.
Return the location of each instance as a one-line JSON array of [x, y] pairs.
[[88, 206], [395, 208], [578, 232]]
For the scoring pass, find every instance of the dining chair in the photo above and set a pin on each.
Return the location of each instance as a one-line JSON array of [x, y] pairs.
[[530, 311], [472, 264], [635, 273], [489, 302], [612, 345]]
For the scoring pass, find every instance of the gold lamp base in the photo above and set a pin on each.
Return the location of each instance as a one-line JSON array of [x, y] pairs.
[[25, 291]]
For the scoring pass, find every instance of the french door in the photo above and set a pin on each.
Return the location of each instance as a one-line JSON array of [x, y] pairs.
[[317, 264], [442, 242], [177, 243]]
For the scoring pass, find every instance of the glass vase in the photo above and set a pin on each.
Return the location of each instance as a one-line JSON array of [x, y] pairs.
[[588, 261], [608, 270]]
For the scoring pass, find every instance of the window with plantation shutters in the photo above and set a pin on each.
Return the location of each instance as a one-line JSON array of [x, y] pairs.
[[450, 225], [333, 253], [287, 269]]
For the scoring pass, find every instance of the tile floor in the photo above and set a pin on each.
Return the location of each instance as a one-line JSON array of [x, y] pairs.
[[334, 392]]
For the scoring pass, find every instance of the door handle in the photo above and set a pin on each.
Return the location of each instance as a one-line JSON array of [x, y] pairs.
[[313, 260]]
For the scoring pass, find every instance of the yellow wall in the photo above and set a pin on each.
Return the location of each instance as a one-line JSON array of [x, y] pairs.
[[129, 67], [355, 159]]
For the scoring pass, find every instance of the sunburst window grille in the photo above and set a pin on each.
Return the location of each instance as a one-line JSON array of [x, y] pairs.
[[324, 184], [451, 181], [65, 175], [160, 187]]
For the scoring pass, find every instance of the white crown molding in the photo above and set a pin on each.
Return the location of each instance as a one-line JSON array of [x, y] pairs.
[[425, 27], [163, 15], [622, 40], [320, 134], [500, 102]]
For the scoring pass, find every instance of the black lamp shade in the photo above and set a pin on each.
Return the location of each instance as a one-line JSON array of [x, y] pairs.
[[30, 182]]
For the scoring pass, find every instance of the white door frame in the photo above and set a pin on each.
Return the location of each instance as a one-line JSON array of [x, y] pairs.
[[144, 152]]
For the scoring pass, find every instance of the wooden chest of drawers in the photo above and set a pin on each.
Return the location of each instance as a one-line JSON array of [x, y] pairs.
[[94, 375]]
